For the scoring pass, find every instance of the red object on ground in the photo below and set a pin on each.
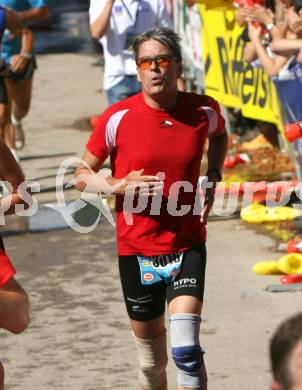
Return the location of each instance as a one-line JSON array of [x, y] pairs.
[[229, 162], [93, 120], [294, 246], [293, 131], [290, 279], [232, 161]]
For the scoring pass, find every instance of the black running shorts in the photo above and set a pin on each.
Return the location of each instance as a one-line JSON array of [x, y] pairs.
[[146, 302], [27, 72]]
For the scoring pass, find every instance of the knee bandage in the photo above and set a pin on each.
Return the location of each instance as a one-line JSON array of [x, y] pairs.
[[186, 350], [152, 360]]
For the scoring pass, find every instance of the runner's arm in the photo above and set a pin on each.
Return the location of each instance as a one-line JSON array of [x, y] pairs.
[[217, 152], [27, 41], [34, 14], [89, 179], [11, 173], [99, 26], [19, 61], [15, 27]]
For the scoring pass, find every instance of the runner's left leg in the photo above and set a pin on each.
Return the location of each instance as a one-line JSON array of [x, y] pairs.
[[20, 92], [19, 96], [185, 297]]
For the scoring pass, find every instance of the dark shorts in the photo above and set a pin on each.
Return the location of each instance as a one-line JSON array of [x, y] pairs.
[[146, 302], [26, 74], [3, 91]]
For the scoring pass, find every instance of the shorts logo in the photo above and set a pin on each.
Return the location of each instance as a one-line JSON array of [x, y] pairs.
[[186, 282], [148, 277]]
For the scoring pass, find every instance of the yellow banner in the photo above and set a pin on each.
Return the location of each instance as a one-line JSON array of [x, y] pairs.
[[228, 78]]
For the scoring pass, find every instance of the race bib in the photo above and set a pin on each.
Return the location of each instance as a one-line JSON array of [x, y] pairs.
[[156, 269]]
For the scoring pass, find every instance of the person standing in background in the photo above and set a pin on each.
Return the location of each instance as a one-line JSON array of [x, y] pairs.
[[19, 84], [9, 21], [116, 23]]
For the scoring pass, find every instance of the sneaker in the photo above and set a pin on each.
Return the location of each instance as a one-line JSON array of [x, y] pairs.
[[19, 134]]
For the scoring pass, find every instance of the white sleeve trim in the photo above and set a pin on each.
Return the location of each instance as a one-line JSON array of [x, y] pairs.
[[111, 129], [213, 119]]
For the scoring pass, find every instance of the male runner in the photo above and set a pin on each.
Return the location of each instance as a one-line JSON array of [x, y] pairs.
[[19, 83], [155, 140], [9, 21]]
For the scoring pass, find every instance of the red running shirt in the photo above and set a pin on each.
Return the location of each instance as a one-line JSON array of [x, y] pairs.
[[136, 137]]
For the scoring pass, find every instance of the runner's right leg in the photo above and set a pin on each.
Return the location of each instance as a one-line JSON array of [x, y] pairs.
[[150, 340], [19, 93], [146, 306]]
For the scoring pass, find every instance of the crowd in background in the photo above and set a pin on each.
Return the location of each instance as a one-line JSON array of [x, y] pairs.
[[273, 38]]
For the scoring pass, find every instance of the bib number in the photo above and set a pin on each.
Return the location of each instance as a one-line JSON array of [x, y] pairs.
[[156, 269]]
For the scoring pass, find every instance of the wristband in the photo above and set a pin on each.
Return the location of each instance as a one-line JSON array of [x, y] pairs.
[[216, 171], [25, 54]]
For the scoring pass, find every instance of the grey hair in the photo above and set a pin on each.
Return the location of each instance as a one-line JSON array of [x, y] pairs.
[[165, 36]]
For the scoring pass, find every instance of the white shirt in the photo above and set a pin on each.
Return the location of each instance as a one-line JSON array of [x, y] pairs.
[[135, 16]]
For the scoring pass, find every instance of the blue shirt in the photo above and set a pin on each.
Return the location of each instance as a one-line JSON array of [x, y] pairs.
[[10, 46]]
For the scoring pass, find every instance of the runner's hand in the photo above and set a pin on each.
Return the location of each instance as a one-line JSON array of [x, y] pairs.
[[209, 197], [141, 185], [18, 63], [208, 204]]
